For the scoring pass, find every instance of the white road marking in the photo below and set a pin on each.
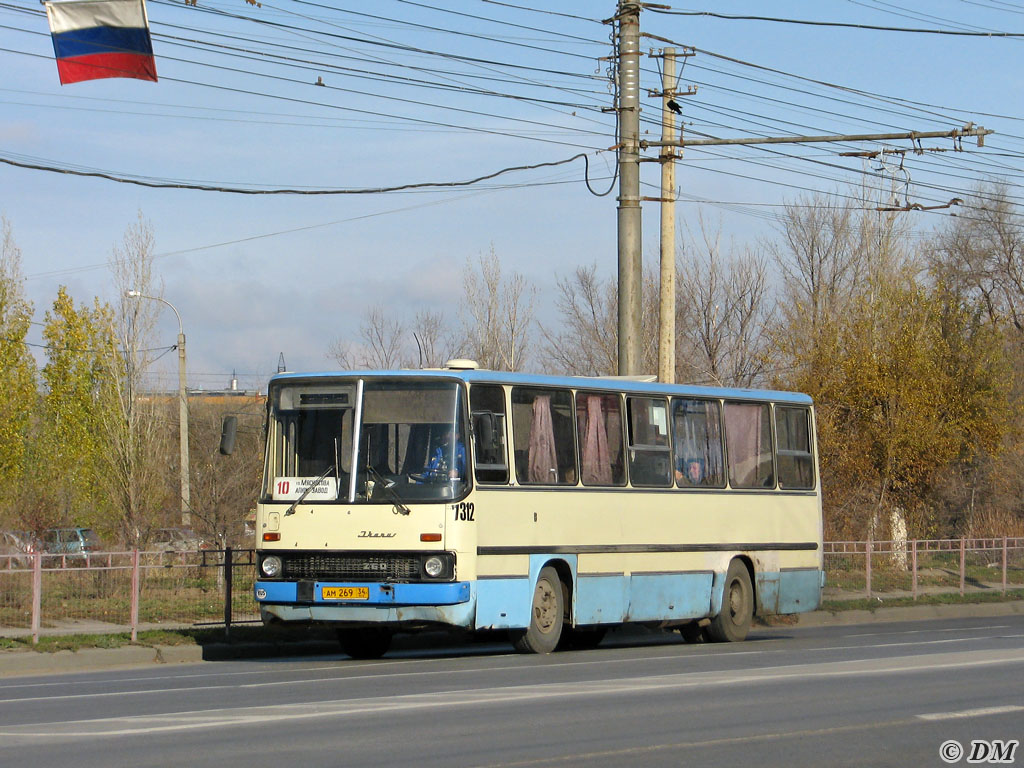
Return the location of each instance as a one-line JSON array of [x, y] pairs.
[[929, 631], [979, 712], [136, 725]]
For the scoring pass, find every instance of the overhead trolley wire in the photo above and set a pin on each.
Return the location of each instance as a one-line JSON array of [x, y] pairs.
[[447, 31], [502, 21], [541, 10]]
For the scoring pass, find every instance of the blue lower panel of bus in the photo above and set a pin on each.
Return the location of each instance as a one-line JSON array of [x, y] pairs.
[[375, 594], [504, 603], [800, 590], [643, 597], [449, 603], [605, 599]]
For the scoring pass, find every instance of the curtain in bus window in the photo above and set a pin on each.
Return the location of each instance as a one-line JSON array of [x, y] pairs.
[[541, 460], [749, 442], [597, 465]]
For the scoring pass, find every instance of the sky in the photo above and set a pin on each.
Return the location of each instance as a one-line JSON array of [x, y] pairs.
[[448, 91]]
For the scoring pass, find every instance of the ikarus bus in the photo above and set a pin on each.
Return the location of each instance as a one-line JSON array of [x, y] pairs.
[[551, 507]]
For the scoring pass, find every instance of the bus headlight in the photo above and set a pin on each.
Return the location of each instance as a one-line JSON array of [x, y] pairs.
[[271, 566], [433, 566]]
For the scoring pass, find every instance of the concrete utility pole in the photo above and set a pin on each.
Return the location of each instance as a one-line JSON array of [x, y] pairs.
[[186, 505], [667, 305], [630, 262]]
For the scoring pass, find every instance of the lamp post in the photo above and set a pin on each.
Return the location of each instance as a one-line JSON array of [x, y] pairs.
[[186, 507]]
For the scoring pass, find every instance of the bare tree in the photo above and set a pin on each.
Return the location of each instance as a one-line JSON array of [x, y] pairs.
[[497, 315], [722, 309], [381, 343], [388, 342], [225, 488], [585, 343], [139, 454], [383, 339], [819, 260], [982, 254], [434, 343]]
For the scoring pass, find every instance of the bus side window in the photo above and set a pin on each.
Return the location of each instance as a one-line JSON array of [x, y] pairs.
[[793, 434], [599, 429], [697, 441], [487, 403], [748, 440], [544, 436], [650, 456]]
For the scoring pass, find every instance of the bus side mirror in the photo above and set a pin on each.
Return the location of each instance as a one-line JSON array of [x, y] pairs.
[[227, 435]]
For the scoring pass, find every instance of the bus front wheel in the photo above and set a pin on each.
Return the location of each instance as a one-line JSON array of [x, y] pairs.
[[733, 623], [369, 643], [547, 614]]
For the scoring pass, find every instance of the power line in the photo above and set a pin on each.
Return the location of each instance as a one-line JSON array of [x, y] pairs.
[[244, 191], [847, 25]]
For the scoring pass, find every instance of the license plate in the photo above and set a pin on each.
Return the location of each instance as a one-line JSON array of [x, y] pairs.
[[345, 593]]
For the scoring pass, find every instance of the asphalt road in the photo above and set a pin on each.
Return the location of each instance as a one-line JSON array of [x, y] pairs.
[[881, 694]]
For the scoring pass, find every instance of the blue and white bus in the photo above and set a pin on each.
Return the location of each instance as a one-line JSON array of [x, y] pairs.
[[551, 507]]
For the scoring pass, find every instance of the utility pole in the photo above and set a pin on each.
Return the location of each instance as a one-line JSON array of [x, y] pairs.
[[630, 261], [667, 305], [183, 465], [667, 158]]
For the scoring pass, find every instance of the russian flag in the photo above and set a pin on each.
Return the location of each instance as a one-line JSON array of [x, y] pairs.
[[93, 39]]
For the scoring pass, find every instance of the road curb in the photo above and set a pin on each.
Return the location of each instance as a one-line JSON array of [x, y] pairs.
[[911, 613], [25, 662]]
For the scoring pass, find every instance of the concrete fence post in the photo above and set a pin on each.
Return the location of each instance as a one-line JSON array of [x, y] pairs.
[[913, 566], [963, 563], [867, 566], [135, 595], [37, 595], [1004, 565]]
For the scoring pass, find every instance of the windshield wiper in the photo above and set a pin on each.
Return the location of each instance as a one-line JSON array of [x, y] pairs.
[[389, 486], [305, 493]]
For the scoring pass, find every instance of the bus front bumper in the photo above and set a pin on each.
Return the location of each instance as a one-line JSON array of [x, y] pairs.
[[449, 603]]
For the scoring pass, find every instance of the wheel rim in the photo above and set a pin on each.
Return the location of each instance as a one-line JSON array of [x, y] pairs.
[[545, 607], [737, 602]]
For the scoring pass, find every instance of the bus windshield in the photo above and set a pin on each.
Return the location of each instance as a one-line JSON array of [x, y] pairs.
[[410, 444]]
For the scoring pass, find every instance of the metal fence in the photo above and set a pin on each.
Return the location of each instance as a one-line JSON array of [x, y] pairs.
[[922, 566], [133, 591], [125, 591]]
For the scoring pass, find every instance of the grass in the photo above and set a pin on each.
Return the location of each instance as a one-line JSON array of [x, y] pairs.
[[168, 637], [944, 598]]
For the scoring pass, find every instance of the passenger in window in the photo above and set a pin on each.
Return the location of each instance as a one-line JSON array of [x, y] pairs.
[[690, 472]]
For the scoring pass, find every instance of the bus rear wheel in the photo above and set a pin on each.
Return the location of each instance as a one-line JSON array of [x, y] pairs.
[[733, 623], [369, 643], [547, 615]]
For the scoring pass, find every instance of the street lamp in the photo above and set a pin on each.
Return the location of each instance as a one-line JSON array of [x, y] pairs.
[[186, 508]]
